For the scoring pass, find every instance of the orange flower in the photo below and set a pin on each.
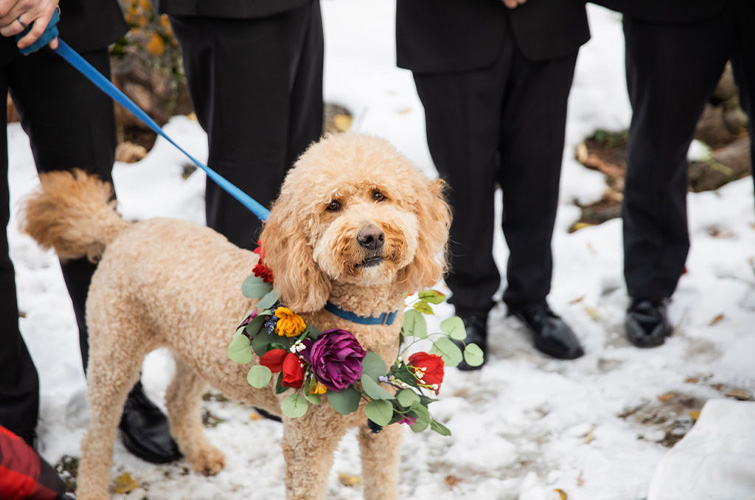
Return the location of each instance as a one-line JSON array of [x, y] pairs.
[[289, 323], [155, 46]]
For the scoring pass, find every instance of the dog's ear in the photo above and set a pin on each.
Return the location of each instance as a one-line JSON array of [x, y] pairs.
[[434, 217], [300, 284]]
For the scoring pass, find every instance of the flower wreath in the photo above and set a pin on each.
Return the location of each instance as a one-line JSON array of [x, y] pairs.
[[333, 364]]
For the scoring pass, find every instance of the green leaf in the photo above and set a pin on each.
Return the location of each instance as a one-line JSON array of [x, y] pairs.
[[379, 411], [294, 406], [414, 325], [373, 365], [345, 401], [312, 398], [254, 288], [260, 343], [268, 300], [279, 387], [473, 355], [454, 328], [423, 307], [259, 376], [432, 296], [422, 416], [407, 397], [373, 389], [404, 375], [448, 350], [439, 428], [312, 332], [239, 350], [254, 326]]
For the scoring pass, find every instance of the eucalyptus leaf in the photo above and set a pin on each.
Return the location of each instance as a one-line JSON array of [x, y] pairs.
[[407, 397], [254, 326], [379, 411], [294, 406], [414, 325], [473, 355], [373, 389], [260, 343], [454, 328], [443, 346], [268, 300], [315, 399], [259, 376], [253, 287], [440, 428], [279, 387], [423, 417], [423, 307], [239, 350], [432, 296], [345, 401], [373, 365]]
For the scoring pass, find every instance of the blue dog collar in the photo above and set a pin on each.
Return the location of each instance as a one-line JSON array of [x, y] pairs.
[[382, 319]]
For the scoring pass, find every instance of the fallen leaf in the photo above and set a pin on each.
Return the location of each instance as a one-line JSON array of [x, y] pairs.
[[577, 300], [349, 480], [589, 437], [342, 122], [404, 111], [593, 313], [561, 494], [692, 380], [667, 397], [739, 394], [452, 480], [694, 414], [124, 484], [581, 225], [717, 319], [255, 416]]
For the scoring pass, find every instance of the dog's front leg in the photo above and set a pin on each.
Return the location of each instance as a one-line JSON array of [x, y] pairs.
[[380, 459], [308, 445]]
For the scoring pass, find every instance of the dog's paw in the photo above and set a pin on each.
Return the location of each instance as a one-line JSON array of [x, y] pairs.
[[209, 462]]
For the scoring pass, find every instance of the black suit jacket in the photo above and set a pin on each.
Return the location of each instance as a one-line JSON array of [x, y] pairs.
[[461, 35], [84, 25], [239, 9], [666, 11]]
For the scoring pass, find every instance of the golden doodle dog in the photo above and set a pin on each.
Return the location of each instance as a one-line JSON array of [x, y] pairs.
[[355, 224]]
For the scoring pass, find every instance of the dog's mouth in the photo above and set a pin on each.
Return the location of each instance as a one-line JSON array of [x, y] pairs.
[[372, 261]]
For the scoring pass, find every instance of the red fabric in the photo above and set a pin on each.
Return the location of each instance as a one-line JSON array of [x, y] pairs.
[[20, 470]]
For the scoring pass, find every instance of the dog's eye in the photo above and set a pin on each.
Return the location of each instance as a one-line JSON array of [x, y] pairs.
[[334, 206], [378, 196]]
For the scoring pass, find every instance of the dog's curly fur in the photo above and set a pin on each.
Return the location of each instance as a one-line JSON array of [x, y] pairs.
[[171, 283]]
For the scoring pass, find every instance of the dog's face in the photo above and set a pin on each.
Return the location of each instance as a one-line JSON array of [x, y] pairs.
[[354, 211]]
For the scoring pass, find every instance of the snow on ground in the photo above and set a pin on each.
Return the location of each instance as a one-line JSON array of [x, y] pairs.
[[526, 425]]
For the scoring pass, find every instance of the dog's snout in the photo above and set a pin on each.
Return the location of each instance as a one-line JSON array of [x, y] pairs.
[[371, 237]]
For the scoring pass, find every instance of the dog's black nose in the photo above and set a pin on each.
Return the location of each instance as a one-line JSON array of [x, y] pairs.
[[371, 237]]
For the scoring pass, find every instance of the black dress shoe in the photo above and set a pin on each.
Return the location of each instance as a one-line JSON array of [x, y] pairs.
[[647, 323], [476, 326], [145, 431], [552, 336]]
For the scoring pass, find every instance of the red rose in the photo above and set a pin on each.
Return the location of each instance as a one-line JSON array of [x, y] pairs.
[[273, 359], [293, 371], [428, 368]]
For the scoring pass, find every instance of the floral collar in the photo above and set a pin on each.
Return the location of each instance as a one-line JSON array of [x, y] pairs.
[[382, 319], [333, 365]]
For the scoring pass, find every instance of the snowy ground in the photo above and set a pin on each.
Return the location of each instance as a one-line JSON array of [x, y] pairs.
[[524, 427]]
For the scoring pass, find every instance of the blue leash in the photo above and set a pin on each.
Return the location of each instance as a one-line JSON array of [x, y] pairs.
[[86, 69]]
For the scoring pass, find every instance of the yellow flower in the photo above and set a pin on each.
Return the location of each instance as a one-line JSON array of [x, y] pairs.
[[156, 46], [319, 389], [289, 323]]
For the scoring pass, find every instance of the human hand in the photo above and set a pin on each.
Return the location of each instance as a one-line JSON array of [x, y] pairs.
[[16, 15], [512, 4]]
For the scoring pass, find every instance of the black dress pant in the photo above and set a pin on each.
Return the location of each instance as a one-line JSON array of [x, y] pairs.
[[256, 86], [672, 70], [70, 124], [500, 125]]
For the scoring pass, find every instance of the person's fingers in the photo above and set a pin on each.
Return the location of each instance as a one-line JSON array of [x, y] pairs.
[[39, 26], [53, 43], [12, 29]]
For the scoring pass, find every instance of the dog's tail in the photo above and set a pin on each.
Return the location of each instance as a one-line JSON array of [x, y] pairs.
[[74, 213]]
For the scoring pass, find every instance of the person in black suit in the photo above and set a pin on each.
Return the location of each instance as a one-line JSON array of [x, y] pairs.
[[69, 124], [254, 69], [675, 54], [494, 79]]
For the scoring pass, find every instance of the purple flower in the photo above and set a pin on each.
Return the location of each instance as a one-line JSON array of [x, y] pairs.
[[336, 359]]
